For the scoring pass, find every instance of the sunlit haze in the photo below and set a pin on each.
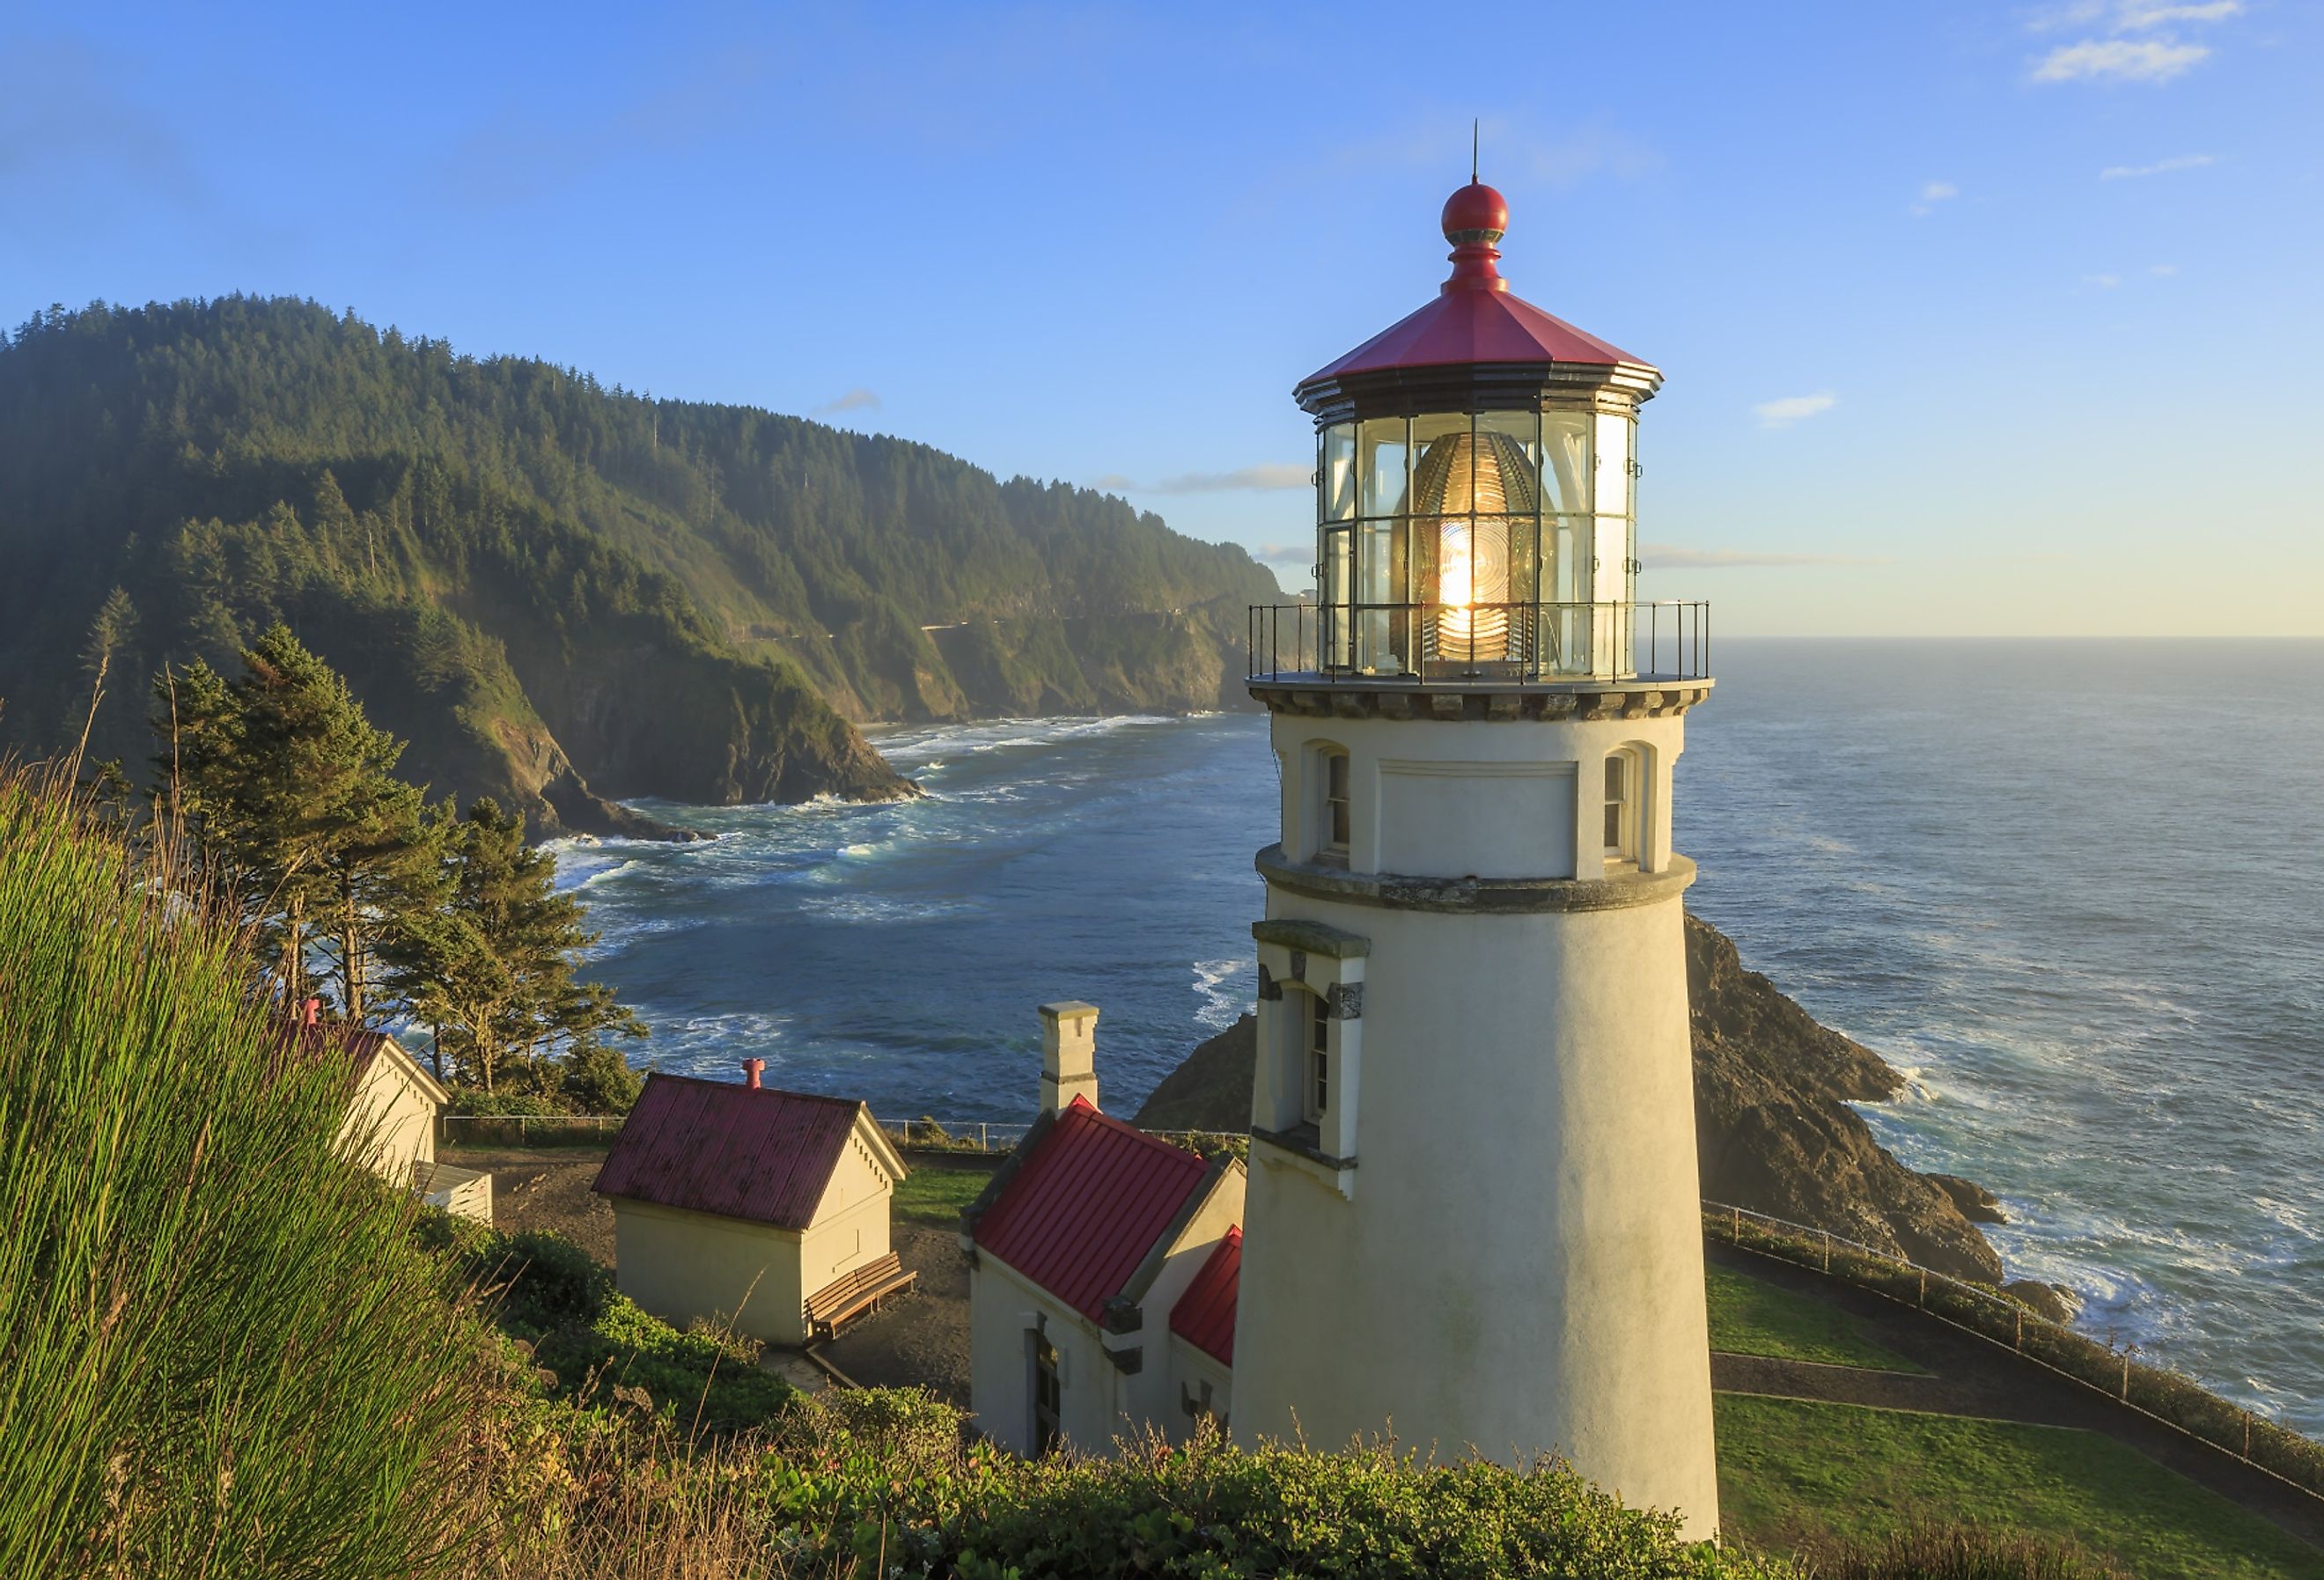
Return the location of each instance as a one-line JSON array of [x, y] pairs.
[[1975, 318]]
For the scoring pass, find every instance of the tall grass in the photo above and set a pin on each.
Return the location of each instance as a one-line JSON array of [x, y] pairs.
[[220, 1350]]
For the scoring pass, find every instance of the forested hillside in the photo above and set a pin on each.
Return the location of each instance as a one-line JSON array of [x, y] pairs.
[[558, 592]]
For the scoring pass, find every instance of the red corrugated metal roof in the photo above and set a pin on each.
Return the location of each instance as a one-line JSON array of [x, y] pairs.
[[319, 1040], [1465, 326], [1204, 1314], [719, 1147], [1087, 1205]]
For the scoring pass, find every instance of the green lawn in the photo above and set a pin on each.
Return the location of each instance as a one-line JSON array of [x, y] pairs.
[[1748, 1317], [937, 1195], [1790, 1469]]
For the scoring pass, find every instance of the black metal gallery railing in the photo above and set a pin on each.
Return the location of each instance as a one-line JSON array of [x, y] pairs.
[[1420, 644]]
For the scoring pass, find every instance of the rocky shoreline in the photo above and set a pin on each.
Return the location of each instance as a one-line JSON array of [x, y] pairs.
[[1775, 1130]]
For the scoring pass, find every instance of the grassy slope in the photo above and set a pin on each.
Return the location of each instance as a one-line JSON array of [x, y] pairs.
[[937, 1195], [1748, 1317], [1791, 1469]]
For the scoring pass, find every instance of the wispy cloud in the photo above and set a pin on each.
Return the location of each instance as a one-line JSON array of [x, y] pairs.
[[2102, 281], [1299, 556], [2122, 59], [2138, 14], [2130, 16], [1271, 475], [2117, 58], [2164, 268], [1791, 409], [855, 399], [2124, 172], [1933, 193], [1671, 557]]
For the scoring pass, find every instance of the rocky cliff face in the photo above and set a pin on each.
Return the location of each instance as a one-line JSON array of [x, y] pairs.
[[1773, 1126]]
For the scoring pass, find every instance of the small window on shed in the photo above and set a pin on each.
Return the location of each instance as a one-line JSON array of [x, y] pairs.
[[1337, 816]]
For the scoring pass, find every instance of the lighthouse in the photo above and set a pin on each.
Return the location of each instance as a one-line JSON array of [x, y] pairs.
[[1472, 1219]]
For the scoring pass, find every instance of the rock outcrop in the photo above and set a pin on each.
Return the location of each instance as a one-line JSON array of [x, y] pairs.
[[1773, 1126]]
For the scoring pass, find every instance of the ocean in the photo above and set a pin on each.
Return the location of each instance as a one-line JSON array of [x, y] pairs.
[[2070, 888]]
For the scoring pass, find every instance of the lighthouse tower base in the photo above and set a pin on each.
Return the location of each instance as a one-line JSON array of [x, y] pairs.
[[1484, 1235]]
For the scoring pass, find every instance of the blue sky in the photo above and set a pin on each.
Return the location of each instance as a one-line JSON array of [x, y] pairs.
[[1976, 318]]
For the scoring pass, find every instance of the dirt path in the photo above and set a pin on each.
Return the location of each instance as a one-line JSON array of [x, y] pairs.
[[1971, 1376]]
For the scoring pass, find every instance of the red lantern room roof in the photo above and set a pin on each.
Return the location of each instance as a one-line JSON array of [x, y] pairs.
[[1474, 322]]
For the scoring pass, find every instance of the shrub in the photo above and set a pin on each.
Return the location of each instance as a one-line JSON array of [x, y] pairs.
[[599, 1080], [506, 1104], [597, 1347], [891, 1484]]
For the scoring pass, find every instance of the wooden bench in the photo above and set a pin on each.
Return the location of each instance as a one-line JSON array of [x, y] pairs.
[[856, 1294]]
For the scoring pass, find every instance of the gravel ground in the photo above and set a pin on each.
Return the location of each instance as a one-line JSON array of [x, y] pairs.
[[548, 1188]]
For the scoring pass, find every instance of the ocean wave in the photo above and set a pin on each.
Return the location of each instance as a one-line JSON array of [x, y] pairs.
[[1222, 1004]]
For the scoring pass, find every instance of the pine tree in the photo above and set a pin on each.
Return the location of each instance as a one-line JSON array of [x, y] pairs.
[[290, 794], [490, 968]]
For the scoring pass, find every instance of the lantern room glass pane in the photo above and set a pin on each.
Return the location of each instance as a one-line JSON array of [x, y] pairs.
[[1613, 465], [1565, 460], [1337, 486], [1522, 430], [1378, 585], [1439, 447], [1383, 459], [1338, 570]]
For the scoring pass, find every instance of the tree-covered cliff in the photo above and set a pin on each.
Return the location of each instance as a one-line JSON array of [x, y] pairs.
[[558, 592]]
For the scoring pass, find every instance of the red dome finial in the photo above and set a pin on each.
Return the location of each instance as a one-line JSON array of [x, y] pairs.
[[1475, 217]]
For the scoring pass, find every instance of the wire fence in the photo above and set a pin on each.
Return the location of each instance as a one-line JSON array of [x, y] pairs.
[[2154, 1392], [527, 1130], [976, 1135]]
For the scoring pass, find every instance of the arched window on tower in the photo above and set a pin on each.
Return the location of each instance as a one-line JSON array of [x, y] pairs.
[[1315, 1084], [1330, 803], [1623, 800]]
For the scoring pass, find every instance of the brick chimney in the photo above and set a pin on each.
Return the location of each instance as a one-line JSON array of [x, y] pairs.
[[1068, 1054], [753, 1068]]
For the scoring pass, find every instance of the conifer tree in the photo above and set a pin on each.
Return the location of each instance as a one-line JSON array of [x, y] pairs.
[[292, 796], [490, 968]]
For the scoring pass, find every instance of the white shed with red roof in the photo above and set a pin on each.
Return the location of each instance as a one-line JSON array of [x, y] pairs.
[[767, 1210], [1082, 1253]]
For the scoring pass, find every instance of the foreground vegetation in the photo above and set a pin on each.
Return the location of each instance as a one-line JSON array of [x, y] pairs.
[[220, 1350], [227, 1352]]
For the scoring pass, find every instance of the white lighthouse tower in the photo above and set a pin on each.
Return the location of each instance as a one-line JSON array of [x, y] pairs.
[[1472, 1216]]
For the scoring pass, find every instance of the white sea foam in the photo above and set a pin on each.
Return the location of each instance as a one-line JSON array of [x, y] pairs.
[[1221, 1003]]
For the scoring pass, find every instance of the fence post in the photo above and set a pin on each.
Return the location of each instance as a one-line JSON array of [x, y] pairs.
[[2125, 1377], [2020, 1342], [1738, 1226], [983, 1143], [1827, 1249], [2247, 1419], [1924, 1289]]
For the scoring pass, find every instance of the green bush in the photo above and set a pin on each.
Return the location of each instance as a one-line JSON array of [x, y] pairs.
[[596, 1346], [220, 1352], [507, 1103], [598, 1080], [885, 1480]]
